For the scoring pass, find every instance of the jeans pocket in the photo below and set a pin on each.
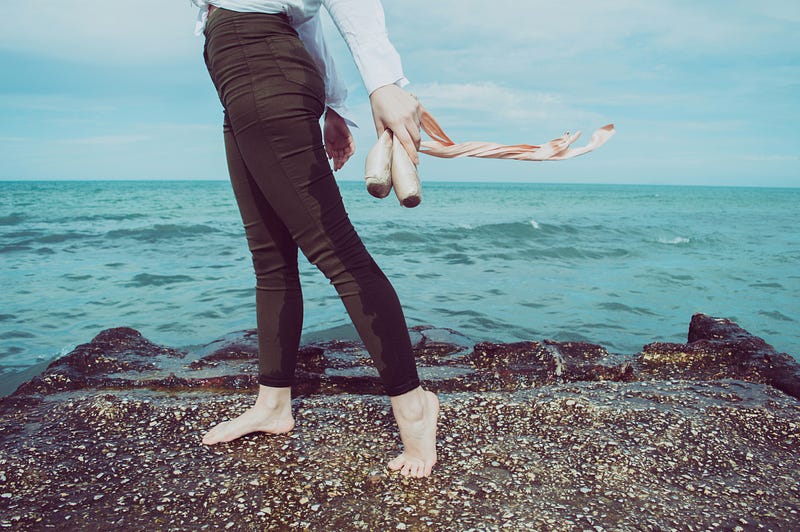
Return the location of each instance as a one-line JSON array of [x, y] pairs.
[[296, 64]]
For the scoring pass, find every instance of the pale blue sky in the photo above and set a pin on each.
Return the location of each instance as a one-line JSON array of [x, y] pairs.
[[701, 92]]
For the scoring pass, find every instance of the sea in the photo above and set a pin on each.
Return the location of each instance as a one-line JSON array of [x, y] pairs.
[[616, 265]]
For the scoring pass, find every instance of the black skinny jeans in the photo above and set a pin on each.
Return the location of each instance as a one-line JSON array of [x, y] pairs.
[[273, 98]]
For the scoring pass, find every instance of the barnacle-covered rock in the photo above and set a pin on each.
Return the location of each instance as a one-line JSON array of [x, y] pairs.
[[537, 435]]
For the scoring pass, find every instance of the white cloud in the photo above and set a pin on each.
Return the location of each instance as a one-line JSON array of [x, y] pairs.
[[485, 96], [490, 107]]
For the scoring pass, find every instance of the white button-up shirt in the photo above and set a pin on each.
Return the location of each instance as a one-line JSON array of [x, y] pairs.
[[361, 23]]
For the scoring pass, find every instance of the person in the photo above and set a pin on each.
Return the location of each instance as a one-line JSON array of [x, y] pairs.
[[274, 76]]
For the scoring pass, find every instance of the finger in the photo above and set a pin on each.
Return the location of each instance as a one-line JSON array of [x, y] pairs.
[[379, 128], [413, 129], [408, 144], [345, 158]]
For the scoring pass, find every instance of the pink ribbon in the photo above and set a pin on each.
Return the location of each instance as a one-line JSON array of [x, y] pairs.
[[556, 150]]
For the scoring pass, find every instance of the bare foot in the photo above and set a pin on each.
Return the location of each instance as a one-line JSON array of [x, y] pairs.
[[416, 413], [272, 413]]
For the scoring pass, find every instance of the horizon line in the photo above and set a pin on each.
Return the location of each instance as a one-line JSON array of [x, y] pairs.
[[431, 181]]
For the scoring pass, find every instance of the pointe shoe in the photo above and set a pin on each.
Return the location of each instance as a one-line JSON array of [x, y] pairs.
[[378, 166], [404, 177]]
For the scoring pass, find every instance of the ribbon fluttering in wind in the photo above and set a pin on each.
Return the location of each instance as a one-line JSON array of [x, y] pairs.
[[556, 150], [388, 165]]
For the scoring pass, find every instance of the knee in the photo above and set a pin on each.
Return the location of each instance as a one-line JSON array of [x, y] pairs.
[[275, 272], [343, 270]]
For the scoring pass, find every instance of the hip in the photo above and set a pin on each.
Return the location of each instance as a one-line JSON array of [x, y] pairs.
[[265, 49]]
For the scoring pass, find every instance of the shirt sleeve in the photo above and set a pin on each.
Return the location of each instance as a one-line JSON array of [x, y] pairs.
[[202, 15], [310, 32], [363, 27]]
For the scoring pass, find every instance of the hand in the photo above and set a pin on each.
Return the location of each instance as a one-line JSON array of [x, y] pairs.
[[395, 109], [339, 144]]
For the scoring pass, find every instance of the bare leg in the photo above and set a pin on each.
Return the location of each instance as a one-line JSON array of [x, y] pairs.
[[271, 413], [416, 413]]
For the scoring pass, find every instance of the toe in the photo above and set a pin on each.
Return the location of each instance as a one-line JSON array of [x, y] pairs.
[[396, 463], [212, 436]]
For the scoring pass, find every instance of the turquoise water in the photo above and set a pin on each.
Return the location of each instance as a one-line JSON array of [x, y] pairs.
[[616, 265]]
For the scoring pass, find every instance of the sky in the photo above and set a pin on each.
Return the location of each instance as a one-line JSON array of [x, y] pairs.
[[701, 93]]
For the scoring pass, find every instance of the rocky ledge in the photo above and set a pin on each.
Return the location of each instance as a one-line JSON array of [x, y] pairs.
[[533, 436]]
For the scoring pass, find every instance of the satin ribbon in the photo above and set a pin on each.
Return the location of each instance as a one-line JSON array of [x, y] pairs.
[[557, 149]]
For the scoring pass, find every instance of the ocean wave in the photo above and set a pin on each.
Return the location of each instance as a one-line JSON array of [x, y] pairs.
[[149, 279], [76, 277], [406, 236], [13, 219], [678, 240], [27, 244], [621, 307], [573, 253], [162, 232], [776, 315], [479, 236], [492, 231], [57, 238], [779, 286], [14, 247], [105, 217], [16, 334], [458, 258], [23, 233]]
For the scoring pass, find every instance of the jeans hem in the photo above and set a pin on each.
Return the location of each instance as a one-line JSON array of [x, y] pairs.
[[404, 388], [274, 383]]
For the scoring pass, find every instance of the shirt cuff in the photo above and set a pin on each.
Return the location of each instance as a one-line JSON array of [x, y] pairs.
[[400, 82], [343, 111]]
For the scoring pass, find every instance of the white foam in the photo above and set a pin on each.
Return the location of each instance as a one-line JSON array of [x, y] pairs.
[[535, 224], [674, 241]]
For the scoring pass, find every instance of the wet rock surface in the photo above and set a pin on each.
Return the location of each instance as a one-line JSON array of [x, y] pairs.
[[533, 436]]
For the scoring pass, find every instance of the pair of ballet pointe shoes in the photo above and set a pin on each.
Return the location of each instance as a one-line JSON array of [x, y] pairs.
[[388, 167]]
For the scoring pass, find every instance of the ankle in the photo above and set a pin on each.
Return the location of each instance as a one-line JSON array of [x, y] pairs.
[[409, 406], [270, 398]]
